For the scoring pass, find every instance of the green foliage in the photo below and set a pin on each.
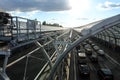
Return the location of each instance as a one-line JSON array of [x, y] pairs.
[[49, 24], [44, 23]]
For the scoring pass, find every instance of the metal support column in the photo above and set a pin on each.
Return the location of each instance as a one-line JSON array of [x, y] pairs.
[[3, 69], [17, 28]]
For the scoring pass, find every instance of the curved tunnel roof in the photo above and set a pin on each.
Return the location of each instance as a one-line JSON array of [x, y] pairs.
[[88, 31]]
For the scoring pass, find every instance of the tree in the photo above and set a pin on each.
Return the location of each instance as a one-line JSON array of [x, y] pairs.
[[44, 23]]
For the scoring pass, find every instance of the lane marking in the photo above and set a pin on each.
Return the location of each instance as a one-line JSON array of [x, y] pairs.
[[112, 59], [91, 67]]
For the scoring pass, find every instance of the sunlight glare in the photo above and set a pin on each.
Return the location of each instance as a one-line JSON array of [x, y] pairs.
[[79, 6]]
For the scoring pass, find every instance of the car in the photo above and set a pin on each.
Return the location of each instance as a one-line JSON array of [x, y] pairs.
[[101, 52], [82, 55], [88, 51], [96, 48], [82, 58], [82, 61], [80, 50], [105, 74], [87, 46], [84, 43], [94, 57], [92, 44], [84, 70], [87, 40]]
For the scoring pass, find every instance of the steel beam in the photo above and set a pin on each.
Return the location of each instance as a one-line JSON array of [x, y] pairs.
[[46, 55]]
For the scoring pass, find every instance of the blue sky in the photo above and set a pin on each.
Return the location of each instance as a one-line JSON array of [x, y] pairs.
[[69, 13]]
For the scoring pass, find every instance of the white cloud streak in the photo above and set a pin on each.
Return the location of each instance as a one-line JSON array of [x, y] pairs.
[[108, 5], [31, 5]]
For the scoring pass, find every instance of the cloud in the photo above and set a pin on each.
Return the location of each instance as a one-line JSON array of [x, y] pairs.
[[34, 5], [82, 18], [53, 19], [29, 15], [108, 5]]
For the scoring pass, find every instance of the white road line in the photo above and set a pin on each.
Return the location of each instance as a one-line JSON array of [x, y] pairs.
[[112, 59], [92, 67]]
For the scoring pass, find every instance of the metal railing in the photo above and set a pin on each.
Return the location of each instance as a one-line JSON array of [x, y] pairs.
[[20, 29]]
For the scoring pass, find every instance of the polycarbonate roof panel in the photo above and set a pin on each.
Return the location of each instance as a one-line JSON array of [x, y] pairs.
[[86, 29]]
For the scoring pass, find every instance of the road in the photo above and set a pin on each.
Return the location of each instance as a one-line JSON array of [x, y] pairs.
[[103, 61]]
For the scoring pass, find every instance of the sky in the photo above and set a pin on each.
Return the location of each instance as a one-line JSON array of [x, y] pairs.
[[68, 13]]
